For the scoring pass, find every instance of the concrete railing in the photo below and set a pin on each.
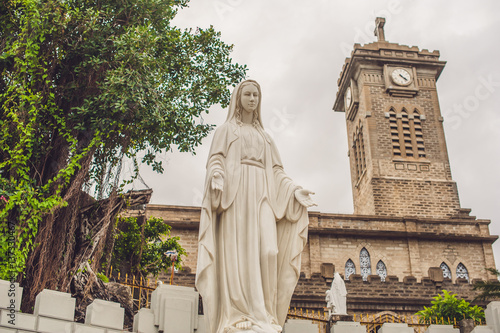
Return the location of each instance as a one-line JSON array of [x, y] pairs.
[[173, 309]]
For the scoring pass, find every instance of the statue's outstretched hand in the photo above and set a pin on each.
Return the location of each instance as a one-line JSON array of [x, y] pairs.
[[304, 198], [217, 182]]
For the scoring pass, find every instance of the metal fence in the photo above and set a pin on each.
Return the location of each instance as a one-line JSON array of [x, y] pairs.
[[140, 288], [317, 317], [373, 322]]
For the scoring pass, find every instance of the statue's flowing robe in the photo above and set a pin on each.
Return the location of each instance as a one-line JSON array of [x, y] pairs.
[[251, 234]]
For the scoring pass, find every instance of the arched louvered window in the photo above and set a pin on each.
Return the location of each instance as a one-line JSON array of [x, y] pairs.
[[462, 272], [364, 260], [350, 269], [419, 136], [446, 270], [406, 133], [381, 270], [359, 150], [396, 145]]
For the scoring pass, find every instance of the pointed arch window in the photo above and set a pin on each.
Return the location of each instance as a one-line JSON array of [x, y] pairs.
[[462, 272], [350, 269], [364, 260], [406, 133], [381, 270], [359, 150], [446, 270]]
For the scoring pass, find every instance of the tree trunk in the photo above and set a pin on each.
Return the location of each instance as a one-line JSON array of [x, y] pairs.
[[466, 325]]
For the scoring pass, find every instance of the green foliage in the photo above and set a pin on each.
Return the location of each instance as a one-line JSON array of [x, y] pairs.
[[102, 277], [142, 247], [489, 289], [85, 83], [448, 308]]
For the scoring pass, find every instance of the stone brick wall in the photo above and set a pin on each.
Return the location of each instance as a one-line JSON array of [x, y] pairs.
[[404, 297], [408, 197], [407, 246]]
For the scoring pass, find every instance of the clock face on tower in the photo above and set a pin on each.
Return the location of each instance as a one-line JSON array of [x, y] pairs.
[[348, 98], [401, 76]]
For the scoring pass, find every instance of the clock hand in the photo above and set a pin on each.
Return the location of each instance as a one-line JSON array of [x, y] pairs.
[[403, 77]]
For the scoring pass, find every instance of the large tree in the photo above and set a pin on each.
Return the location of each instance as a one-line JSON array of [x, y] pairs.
[[85, 83]]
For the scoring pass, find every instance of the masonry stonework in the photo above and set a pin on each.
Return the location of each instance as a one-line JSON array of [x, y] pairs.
[[393, 185], [335, 238]]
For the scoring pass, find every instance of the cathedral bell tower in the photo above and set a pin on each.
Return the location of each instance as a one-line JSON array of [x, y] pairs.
[[397, 148]]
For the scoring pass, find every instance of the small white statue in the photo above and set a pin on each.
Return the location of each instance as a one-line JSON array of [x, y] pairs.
[[336, 297], [329, 302]]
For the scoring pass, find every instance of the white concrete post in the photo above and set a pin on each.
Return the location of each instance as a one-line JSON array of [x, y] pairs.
[[175, 308], [144, 321], [55, 304], [348, 327], [105, 314], [441, 329], [300, 326], [492, 316], [10, 295], [395, 328], [482, 329]]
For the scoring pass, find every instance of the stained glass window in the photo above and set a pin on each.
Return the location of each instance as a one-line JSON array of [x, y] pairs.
[[381, 270], [446, 271], [364, 260], [462, 272], [350, 269]]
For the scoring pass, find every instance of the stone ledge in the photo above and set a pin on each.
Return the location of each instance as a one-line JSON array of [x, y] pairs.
[[55, 304], [11, 295], [105, 314]]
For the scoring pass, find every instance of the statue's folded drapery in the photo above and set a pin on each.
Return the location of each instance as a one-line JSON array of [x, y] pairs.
[[252, 233]]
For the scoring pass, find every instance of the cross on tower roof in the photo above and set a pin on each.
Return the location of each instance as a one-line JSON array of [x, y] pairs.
[[379, 29]]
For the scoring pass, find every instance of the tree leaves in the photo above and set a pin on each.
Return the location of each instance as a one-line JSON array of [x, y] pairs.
[[142, 248], [97, 81], [449, 308], [489, 289]]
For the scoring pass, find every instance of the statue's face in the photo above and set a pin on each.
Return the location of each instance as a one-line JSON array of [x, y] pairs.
[[249, 98]]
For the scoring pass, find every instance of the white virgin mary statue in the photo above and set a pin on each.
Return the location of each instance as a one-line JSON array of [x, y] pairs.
[[253, 225]]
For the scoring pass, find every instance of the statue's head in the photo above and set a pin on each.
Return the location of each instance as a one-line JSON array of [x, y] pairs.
[[247, 97]]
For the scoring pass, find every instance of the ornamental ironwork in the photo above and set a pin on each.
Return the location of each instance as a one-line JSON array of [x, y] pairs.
[[350, 269], [381, 270], [364, 260], [446, 271], [462, 272]]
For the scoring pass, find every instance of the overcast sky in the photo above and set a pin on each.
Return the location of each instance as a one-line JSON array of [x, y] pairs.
[[296, 49]]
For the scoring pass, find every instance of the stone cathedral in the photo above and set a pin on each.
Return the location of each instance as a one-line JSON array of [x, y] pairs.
[[408, 238]]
